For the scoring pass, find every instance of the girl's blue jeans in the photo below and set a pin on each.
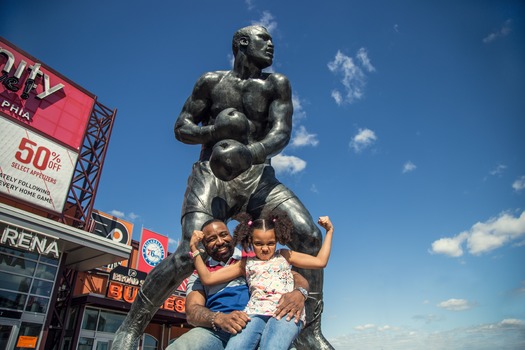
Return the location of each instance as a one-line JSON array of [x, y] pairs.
[[272, 333]]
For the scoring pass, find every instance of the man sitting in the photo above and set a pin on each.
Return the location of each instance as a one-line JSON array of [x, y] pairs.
[[216, 311]]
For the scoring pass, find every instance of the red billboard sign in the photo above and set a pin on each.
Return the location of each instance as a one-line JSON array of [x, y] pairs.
[[42, 99], [33, 168]]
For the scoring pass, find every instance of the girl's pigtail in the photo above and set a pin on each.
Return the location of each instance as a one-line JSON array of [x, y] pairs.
[[282, 226], [242, 232]]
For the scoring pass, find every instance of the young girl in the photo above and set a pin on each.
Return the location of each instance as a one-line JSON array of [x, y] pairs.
[[268, 275]]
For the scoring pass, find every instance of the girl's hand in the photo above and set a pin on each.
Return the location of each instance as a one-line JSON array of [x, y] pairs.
[[325, 222], [196, 237]]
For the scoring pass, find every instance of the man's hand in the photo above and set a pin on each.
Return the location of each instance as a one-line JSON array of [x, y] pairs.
[[233, 322], [290, 304]]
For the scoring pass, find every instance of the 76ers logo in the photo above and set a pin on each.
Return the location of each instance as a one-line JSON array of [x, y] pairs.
[[152, 252]]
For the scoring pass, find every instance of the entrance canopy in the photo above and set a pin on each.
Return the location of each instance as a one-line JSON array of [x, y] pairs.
[[83, 250]]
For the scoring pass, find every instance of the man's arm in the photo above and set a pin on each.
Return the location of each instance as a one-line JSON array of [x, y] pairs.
[[292, 303], [198, 315], [279, 119]]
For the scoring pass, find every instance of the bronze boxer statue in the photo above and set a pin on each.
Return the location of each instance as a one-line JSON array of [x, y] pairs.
[[242, 118]]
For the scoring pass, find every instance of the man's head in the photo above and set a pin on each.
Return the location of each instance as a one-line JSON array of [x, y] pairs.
[[217, 240], [255, 43]]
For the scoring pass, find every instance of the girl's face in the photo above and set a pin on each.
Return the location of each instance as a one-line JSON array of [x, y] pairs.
[[264, 243]]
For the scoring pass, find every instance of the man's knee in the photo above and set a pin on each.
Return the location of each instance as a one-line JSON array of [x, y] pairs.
[[197, 338]]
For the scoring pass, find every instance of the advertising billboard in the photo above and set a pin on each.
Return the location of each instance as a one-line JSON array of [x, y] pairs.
[[41, 99], [33, 168]]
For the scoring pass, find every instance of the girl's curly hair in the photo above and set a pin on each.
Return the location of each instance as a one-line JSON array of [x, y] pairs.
[[275, 220]]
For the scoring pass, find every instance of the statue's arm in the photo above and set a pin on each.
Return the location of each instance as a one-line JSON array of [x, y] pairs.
[[196, 109], [280, 121]]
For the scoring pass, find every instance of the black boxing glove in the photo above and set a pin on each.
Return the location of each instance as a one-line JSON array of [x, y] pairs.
[[231, 124], [229, 159]]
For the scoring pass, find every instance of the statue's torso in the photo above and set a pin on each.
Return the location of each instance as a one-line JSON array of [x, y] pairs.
[[249, 96]]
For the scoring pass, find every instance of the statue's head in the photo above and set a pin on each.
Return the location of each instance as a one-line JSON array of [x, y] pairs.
[[255, 43]]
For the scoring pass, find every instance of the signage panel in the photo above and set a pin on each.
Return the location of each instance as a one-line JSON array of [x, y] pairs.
[[124, 284], [112, 228], [152, 250], [31, 241], [41, 98], [33, 168]]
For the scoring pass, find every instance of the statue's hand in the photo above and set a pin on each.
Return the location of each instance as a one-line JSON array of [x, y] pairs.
[[231, 124], [196, 237], [229, 159]]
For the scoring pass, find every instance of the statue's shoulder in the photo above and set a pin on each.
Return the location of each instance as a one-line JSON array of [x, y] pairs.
[[279, 82], [213, 76], [210, 79], [277, 78]]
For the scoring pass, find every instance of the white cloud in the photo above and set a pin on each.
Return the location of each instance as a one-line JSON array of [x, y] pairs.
[[353, 78], [505, 335], [519, 184], [352, 75], [455, 305], [363, 139], [117, 213], [301, 138], [336, 95], [365, 327], [287, 164], [512, 322], [120, 214], [314, 189], [500, 168], [408, 167], [250, 4], [450, 246], [298, 110], [362, 56], [502, 32], [483, 237], [267, 21]]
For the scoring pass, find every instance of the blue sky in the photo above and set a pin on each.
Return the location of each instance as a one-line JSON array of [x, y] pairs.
[[408, 132]]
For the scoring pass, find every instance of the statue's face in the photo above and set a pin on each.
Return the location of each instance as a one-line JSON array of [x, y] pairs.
[[260, 48], [218, 241]]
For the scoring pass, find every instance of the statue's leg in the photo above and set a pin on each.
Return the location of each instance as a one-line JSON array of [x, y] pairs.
[[307, 238], [158, 286]]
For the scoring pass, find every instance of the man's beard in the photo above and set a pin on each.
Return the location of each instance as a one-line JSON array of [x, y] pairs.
[[214, 253]]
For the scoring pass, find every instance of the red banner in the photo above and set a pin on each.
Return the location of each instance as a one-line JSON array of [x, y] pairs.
[[153, 248]]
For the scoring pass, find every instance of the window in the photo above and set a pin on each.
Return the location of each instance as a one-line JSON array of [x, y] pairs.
[[90, 319], [149, 342], [98, 328], [109, 321], [85, 343], [29, 330], [27, 280]]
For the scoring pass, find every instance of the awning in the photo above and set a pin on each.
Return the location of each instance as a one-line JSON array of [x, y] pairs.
[[84, 250]]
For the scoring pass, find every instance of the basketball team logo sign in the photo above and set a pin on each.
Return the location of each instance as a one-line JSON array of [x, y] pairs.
[[153, 248], [152, 252]]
